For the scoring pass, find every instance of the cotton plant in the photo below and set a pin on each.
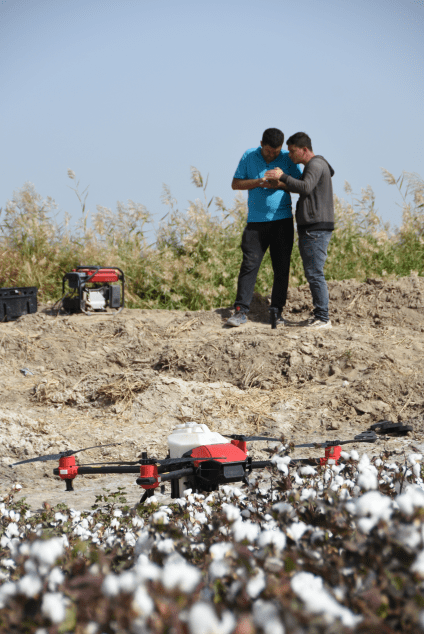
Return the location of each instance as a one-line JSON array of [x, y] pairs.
[[226, 554]]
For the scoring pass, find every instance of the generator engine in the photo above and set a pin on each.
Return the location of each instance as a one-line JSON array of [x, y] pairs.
[[93, 288]]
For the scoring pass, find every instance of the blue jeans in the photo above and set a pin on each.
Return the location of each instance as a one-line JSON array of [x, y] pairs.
[[313, 251]]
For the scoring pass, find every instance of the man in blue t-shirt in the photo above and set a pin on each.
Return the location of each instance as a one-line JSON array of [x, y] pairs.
[[269, 222]]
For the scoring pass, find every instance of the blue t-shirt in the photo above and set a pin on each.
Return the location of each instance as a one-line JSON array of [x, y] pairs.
[[265, 205]]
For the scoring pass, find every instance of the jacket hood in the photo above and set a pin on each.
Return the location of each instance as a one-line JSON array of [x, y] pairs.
[[321, 157]]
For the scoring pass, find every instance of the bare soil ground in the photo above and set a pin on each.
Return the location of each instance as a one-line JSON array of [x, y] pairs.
[[70, 382]]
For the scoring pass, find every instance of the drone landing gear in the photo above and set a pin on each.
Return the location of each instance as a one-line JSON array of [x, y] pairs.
[[69, 486], [148, 493]]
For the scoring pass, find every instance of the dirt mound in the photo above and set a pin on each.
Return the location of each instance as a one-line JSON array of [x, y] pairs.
[[70, 382]]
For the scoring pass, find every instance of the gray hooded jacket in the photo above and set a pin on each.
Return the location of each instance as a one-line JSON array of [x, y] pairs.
[[315, 207]]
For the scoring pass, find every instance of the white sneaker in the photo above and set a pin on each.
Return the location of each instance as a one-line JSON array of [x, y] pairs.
[[315, 323]]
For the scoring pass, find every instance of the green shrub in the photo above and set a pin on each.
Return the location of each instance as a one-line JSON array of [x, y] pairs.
[[196, 259]]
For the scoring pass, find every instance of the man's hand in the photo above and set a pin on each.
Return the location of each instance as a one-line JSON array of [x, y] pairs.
[[274, 174], [271, 184]]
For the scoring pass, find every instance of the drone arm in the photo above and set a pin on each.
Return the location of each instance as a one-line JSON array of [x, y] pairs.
[[153, 481]]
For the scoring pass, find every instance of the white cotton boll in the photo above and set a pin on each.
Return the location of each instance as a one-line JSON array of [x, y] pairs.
[[265, 615], [296, 530], [4, 541], [152, 501], [55, 578], [344, 495], [12, 530], [53, 606], [366, 524], [146, 570], [30, 585], [310, 589], [8, 563], [280, 463], [180, 575], [14, 516], [143, 544], [46, 552], [232, 512], [307, 470], [308, 494], [221, 550], [166, 546], [137, 522], [142, 603], [127, 581], [91, 628], [393, 467], [200, 517], [283, 508], [30, 566], [345, 455], [218, 568], [160, 517], [202, 619], [354, 455], [17, 486], [7, 590], [117, 513], [60, 517], [367, 481], [130, 538], [409, 535], [297, 478], [416, 470], [256, 585], [115, 523], [418, 565], [415, 457], [373, 503], [111, 540], [410, 500], [110, 585], [274, 538], [245, 530]]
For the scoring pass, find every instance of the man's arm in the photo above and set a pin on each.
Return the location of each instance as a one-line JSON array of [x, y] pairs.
[[249, 183], [309, 181], [252, 183]]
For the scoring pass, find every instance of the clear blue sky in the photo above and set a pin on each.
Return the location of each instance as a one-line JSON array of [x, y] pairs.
[[130, 93]]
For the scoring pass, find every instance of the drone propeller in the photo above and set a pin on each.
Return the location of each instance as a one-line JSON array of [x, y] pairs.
[[365, 436], [164, 461], [62, 454], [249, 438], [387, 427]]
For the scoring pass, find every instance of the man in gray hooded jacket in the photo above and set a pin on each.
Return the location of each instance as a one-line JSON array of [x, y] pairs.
[[314, 218]]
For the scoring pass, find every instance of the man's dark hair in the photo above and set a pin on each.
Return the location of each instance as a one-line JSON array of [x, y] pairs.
[[273, 137], [300, 139]]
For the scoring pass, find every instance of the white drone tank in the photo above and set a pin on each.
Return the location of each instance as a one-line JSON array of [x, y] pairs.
[[188, 436]]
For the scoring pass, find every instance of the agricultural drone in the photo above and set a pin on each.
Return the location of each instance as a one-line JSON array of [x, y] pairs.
[[201, 460]]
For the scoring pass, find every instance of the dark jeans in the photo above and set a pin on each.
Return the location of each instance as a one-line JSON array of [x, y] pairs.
[[257, 237], [313, 251]]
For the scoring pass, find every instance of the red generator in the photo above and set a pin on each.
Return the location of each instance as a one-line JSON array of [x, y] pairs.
[[93, 288]]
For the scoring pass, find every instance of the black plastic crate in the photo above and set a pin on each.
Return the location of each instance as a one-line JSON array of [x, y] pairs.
[[15, 302]]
